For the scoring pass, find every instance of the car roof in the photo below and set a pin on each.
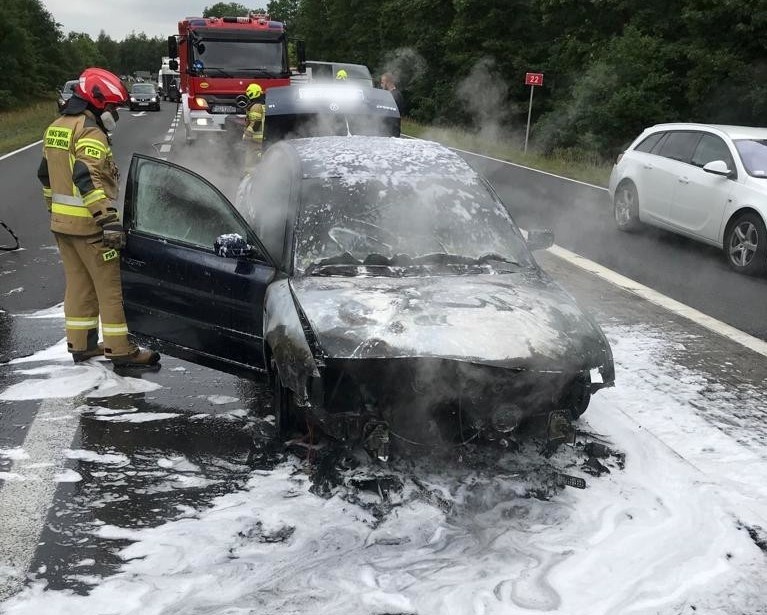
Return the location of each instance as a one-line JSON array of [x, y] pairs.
[[389, 158], [733, 132]]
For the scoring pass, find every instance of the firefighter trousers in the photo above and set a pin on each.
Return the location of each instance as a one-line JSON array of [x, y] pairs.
[[93, 289]]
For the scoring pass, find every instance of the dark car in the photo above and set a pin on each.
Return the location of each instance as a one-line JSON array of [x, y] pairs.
[[380, 281], [65, 93], [143, 96]]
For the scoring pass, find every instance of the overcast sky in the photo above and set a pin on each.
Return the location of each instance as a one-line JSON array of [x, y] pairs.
[[118, 18]]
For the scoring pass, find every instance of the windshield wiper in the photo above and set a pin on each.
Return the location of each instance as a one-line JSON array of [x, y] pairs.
[[494, 256], [445, 258], [346, 261], [220, 70], [262, 71]]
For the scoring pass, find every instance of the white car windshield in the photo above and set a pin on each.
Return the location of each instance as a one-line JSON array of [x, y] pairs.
[[753, 153]]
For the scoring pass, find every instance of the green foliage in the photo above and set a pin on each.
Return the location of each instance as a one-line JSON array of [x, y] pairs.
[[226, 9], [612, 67]]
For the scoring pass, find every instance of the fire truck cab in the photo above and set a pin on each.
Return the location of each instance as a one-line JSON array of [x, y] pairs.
[[218, 57]]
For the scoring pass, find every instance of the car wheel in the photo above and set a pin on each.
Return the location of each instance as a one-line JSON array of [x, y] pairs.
[[579, 397], [283, 405], [745, 244], [626, 207]]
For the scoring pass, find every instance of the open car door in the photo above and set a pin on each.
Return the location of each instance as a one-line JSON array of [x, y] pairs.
[[205, 305]]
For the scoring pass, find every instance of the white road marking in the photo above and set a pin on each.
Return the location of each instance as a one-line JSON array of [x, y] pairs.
[[24, 504], [170, 129], [21, 149], [653, 296], [168, 137], [139, 114], [712, 324], [165, 148]]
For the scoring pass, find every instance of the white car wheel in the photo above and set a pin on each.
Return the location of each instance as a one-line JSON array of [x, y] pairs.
[[745, 244], [626, 207]]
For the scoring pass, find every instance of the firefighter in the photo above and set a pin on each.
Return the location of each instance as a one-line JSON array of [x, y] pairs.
[[255, 112], [341, 75], [80, 185]]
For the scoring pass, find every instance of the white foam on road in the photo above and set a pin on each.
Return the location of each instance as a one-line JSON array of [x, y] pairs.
[[38, 465], [661, 536]]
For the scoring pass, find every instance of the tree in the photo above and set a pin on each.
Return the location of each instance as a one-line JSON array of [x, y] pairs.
[[226, 9]]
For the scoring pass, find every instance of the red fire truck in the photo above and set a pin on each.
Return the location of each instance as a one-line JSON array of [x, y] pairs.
[[218, 57]]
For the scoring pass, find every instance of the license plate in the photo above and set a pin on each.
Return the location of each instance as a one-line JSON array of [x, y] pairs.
[[224, 109], [144, 104]]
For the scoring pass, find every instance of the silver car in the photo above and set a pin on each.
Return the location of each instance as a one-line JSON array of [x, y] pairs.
[[706, 182]]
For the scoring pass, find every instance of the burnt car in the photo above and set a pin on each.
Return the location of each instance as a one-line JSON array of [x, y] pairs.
[[380, 282]]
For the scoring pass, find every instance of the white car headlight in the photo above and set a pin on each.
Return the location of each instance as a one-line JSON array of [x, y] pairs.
[[154, 99], [132, 99]]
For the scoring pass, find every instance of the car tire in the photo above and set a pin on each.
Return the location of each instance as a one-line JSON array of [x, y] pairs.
[[745, 244], [579, 397], [626, 207]]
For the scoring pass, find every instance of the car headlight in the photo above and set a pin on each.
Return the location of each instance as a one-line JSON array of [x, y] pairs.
[[154, 99], [61, 101], [132, 99]]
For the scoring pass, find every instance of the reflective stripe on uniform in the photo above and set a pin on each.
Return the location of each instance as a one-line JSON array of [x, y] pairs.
[[94, 143], [69, 206], [93, 196], [79, 211], [114, 329], [67, 200], [47, 193], [92, 148], [74, 322]]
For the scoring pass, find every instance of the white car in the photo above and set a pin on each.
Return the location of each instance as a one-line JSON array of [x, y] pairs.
[[706, 182]]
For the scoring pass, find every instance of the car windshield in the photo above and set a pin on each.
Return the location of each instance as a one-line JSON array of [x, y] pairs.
[[420, 220], [753, 153], [142, 88], [241, 58]]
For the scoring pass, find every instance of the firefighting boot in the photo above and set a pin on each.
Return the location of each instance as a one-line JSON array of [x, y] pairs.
[[141, 357], [84, 355]]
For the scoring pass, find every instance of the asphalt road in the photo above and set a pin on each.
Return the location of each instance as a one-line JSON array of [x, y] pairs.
[[581, 218], [143, 469]]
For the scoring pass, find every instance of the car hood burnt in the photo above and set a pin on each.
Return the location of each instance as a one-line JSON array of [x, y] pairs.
[[521, 320]]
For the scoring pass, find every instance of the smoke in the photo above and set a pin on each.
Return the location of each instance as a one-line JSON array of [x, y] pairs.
[[406, 65], [484, 96]]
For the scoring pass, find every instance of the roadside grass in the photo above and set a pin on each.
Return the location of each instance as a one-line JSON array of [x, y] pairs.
[[21, 127], [583, 167]]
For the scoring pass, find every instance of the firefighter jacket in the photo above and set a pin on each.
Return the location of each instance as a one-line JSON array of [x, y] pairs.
[[254, 129], [79, 176]]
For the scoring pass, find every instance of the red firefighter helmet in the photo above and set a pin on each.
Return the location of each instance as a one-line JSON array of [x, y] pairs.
[[99, 88]]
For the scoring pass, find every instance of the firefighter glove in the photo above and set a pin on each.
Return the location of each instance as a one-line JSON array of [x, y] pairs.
[[114, 236]]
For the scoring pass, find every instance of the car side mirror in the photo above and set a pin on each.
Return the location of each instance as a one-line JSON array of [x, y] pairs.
[[231, 245], [540, 239], [717, 167]]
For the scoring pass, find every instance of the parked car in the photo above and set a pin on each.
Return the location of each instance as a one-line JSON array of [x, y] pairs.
[[65, 93], [706, 182], [144, 96], [379, 281]]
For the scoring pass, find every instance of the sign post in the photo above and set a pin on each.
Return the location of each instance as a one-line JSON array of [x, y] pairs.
[[533, 80]]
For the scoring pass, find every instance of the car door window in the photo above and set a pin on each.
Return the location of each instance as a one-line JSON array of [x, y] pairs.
[[266, 202], [649, 142], [680, 145], [711, 148], [175, 204]]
